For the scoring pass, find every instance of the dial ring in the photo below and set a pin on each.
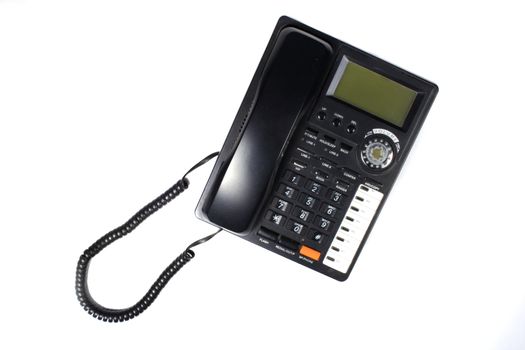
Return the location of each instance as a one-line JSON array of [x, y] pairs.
[[377, 153]]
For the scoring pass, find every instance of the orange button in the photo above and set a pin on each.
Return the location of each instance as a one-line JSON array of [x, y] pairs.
[[310, 253]]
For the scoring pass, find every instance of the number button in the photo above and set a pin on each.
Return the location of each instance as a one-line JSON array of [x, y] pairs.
[[288, 192], [309, 201], [314, 187], [281, 205], [295, 227], [317, 237], [302, 214], [294, 178], [323, 223], [336, 197], [275, 218], [328, 210]]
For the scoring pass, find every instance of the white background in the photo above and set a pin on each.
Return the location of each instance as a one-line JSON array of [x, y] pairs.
[[105, 103]]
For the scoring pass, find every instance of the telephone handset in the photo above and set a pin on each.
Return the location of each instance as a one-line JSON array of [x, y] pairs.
[[314, 150], [295, 67]]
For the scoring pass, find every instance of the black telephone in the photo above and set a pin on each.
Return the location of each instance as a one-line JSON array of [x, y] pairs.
[[314, 150], [316, 146]]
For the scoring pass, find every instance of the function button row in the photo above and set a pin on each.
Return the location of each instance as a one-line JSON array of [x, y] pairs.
[[288, 243], [336, 121], [285, 242], [328, 144], [323, 168]]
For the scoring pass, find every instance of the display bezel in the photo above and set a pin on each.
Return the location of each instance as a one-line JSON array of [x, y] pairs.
[[337, 74]]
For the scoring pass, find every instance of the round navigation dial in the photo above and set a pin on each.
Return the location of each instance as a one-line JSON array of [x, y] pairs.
[[377, 153]]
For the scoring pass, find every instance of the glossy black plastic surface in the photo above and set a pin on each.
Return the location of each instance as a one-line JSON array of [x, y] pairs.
[[291, 140], [293, 70]]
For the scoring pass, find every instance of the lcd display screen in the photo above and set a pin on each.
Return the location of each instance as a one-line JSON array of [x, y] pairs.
[[372, 92]]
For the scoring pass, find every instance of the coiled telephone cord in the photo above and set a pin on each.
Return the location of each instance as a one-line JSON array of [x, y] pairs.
[[119, 315]]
